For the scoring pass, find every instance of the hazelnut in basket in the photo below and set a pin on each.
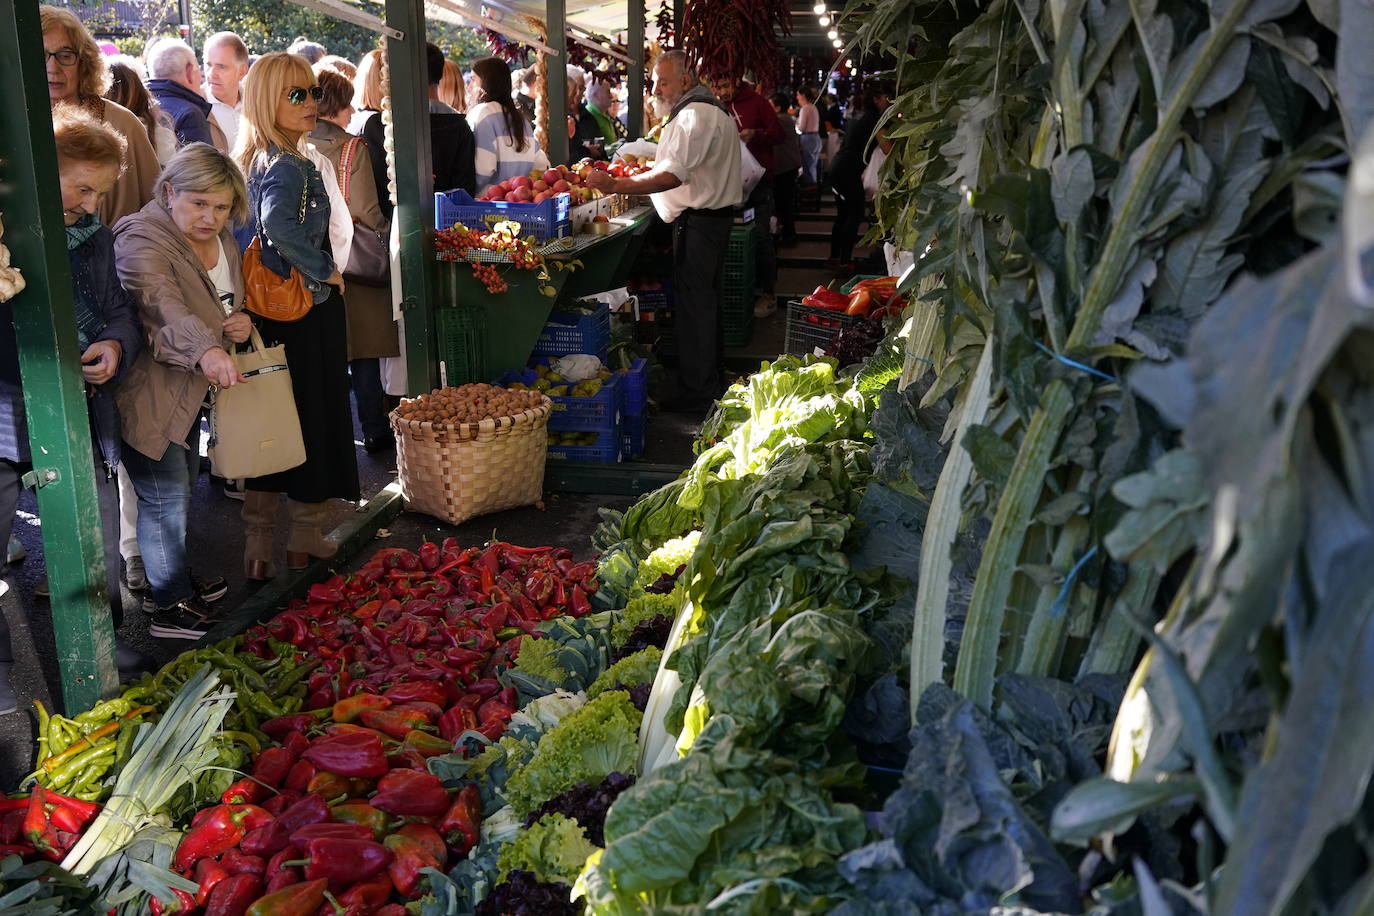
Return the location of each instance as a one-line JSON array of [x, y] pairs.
[[470, 403]]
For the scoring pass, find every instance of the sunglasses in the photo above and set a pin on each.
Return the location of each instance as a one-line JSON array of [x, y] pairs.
[[296, 95]]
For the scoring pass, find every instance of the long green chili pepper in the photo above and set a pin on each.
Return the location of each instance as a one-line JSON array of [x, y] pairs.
[[247, 738], [43, 720], [293, 677], [68, 771], [101, 713]]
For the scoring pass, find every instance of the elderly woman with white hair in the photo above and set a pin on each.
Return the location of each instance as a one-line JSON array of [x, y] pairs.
[[77, 75]]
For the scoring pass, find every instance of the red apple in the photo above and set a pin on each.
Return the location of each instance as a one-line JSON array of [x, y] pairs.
[[519, 182], [540, 185], [542, 196], [512, 197], [552, 177], [560, 186], [525, 195]]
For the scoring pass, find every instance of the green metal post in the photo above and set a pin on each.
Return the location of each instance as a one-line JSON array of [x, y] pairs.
[[634, 84], [556, 92], [414, 189], [49, 361]]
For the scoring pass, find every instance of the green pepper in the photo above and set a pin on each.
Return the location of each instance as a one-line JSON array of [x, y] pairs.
[[68, 771]]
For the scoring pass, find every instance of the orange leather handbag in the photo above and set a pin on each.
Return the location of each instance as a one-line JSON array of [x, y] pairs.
[[268, 293], [271, 295]]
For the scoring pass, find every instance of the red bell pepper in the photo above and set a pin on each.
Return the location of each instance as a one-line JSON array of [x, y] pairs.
[[408, 858], [38, 829], [456, 721], [355, 754], [311, 809], [343, 860], [280, 802], [427, 691], [282, 726], [328, 785], [272, 765], [363, 814], [225, 827], [411, 792], [247, 791], [407, 758], [494, 710], [285, 854], [337, 831], [233, 895], [394, 723], [297, 900], [431, 711], [486, 687], [369, 894], [350, 709], [181, 902], [236, 862], [208, 874], [267, 840], [462, 823], [391, 909], [427, 745], [428, 838], [283, 877]]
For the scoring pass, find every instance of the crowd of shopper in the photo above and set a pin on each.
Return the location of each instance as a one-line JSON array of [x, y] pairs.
[[170, 165]]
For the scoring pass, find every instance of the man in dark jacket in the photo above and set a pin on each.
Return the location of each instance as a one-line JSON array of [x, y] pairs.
[[175, 80], [450, 136]]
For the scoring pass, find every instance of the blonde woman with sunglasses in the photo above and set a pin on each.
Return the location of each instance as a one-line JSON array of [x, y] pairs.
[[289, 211]]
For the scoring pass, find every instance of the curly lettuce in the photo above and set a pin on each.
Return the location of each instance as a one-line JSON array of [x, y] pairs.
[[640, 668], [666, 559], [645, 607], [553, 848], [586, 746]]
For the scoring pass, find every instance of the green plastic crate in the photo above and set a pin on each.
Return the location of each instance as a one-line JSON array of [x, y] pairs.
[[461, 337], [737, 286]]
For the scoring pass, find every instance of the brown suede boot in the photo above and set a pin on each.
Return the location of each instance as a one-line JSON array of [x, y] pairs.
[[307, 540], [259, 526]]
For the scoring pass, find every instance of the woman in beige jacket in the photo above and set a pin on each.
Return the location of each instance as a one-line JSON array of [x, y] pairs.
[[179, 259]]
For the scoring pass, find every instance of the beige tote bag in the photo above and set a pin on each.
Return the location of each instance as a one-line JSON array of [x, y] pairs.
[[254, 428]]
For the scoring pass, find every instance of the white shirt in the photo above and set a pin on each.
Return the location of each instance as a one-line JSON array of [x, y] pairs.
[[227, 116], [224, 284], [340, 222], [701, 147]]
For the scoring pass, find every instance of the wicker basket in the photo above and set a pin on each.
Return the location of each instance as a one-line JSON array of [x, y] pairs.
[[458, 472]]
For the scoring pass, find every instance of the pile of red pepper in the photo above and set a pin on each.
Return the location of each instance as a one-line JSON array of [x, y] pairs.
[[871, 298], [43, 823], [343, 809]]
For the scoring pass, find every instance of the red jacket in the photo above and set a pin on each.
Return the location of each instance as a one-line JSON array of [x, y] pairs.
[[751, 110]]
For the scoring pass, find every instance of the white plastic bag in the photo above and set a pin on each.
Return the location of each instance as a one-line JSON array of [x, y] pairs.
[[577, 367], [750, 172], [871, 182]]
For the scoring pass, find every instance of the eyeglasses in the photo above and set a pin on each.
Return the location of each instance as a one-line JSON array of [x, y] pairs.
[[296, 95], [65, 56]]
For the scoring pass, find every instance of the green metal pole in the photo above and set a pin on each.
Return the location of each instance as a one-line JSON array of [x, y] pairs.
[[414, 189], [49, 364], [634, 83], [556, 92]]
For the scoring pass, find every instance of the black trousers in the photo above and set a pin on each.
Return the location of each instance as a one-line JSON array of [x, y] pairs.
[[850, 205], [699, 241], [765, 257]]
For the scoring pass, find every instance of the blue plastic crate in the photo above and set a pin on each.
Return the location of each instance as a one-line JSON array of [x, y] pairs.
[[605, 451], [544, 221], [632, 429], [571, 332], [597, 414], [635, 384], [655, 300]]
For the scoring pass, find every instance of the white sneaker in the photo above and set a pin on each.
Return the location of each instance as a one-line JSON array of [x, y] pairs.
[[765, 305]]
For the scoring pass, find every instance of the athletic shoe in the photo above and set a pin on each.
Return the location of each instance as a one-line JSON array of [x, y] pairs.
[[41, 589], [135, 576], [205, 590], [16, 551], [183, 620], [233, 489]]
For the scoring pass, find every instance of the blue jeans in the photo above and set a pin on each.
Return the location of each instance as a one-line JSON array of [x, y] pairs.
[[811, 157], [366, 375], [164, 500]]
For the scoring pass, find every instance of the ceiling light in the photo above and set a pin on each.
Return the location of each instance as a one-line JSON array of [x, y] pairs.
[[825, 21], [832, 34], [818, 8], [838, 43], [849, 64]]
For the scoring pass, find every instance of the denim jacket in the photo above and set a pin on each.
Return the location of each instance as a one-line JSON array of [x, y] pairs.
[[290, 210]]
